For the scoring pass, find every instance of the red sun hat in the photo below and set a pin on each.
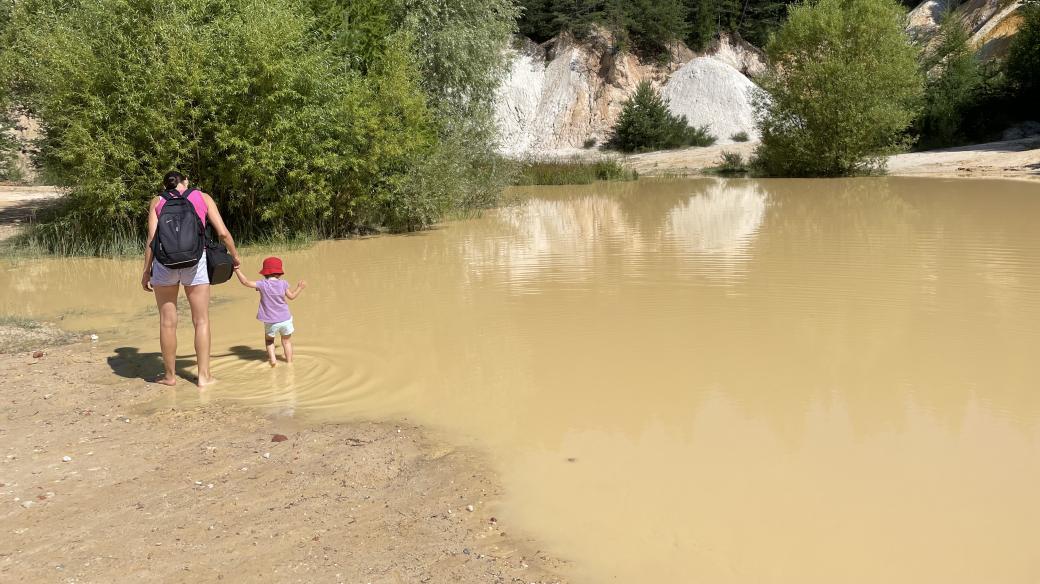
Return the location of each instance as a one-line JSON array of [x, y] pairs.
[[272, 267]]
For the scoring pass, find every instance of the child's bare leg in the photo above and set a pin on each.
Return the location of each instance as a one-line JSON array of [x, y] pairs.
[[269, 341], [287, 347]]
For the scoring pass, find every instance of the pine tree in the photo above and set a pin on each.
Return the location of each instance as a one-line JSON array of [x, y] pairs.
[[646, 124]]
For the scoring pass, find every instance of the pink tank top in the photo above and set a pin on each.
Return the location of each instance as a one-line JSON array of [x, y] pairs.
[[196, 200]]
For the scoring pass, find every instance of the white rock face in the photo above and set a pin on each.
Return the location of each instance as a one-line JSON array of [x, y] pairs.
[[712, 93], [738, 54], [923, 21], [550, 104], [517, 104]]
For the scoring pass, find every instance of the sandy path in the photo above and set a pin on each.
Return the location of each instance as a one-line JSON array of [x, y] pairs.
[[201, 493], [686, 161], [18, 204]]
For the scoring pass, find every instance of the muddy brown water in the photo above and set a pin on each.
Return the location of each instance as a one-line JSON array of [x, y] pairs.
[[680, 381]]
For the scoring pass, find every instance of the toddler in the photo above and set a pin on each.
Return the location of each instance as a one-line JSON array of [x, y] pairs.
[[274, 310]]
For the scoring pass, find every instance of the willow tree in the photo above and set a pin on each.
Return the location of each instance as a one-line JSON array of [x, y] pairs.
[[843, 86], [298, 117]]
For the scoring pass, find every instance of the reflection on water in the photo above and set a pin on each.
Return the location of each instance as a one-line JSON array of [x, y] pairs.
[[757, 381], [564, 238]]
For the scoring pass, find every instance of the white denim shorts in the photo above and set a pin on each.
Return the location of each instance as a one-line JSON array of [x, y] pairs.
[[284, 328], [193, 276]]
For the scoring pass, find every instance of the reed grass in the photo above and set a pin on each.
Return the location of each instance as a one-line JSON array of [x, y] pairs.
[[572, 172], [732, 163]]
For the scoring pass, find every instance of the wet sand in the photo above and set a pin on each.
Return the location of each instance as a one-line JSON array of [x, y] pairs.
[[201, 493]]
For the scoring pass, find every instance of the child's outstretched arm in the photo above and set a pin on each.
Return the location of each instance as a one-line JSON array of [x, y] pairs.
[[242, 278], [292, 294]]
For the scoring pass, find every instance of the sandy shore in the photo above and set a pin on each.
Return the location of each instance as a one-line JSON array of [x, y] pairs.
[[97, 486], [1019, 159]]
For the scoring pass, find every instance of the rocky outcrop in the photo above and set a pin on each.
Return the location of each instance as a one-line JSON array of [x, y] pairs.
[[737, 53], [991, 23], [561, 96]]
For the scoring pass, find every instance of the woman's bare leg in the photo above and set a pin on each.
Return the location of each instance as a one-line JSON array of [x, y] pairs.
[[198, 300], [269, 342], [166, 300], [287, 347]]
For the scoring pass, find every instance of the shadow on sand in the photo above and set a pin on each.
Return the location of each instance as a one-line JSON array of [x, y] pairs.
[[248, 353], [131, 363]]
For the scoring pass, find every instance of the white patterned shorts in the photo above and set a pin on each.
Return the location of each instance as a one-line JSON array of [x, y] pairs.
[[284, 328], [193, 276]]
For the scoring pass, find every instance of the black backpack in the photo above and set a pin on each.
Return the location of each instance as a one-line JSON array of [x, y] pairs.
[[180, 239]]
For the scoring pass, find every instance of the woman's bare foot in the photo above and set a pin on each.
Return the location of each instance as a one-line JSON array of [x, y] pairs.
[[272, 363], [163, 380], [206, 381]]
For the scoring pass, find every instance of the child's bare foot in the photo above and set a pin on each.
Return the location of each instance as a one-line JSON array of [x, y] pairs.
[[163, 380]]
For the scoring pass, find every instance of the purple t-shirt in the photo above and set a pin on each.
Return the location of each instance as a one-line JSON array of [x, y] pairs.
[[273, 307]]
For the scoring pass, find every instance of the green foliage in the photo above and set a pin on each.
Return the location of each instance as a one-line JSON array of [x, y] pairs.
[[645, 26], [298, 116], [588, 143], [646, 124], [731, 163], [954, 85], [752, 20], [648, 26], [741, 136], [572, 172], [1023, 60], [843, 87]]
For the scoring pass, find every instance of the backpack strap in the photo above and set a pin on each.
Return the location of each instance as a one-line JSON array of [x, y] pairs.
[[174, 194]]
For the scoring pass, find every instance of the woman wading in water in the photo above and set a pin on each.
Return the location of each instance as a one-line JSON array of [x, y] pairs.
[[166, 281]]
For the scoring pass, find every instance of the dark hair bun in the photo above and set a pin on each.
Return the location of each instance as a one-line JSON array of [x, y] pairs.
[[172, 179]]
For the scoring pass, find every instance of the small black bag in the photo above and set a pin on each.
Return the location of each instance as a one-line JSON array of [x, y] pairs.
[[219, 263]]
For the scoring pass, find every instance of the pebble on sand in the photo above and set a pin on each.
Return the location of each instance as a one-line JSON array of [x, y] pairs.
[[37, 354], [66, 459], [469, 508], [279, 438]]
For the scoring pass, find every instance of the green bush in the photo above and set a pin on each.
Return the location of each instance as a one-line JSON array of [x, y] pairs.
[[292, 126], [588, 143], [954, 84], [731, 163], [646, 124], [843, 87], [571, 172], [740, 137]]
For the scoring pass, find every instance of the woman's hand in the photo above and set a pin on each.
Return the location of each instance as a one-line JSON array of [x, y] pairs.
[[236, 262], [146, 281]]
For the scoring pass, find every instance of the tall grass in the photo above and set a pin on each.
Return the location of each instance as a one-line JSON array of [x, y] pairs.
[[572, 172], [64, 240]]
